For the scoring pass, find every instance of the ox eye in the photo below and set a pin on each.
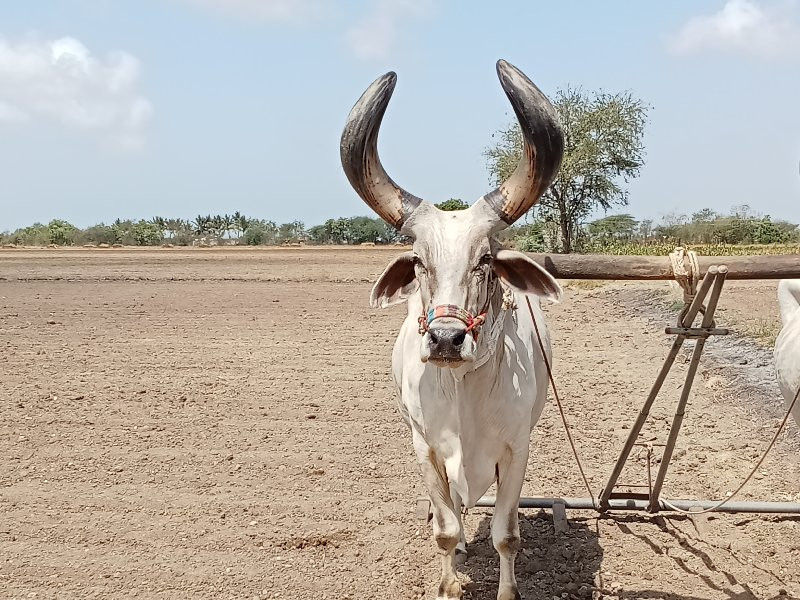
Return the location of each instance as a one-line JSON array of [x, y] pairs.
[[485, 260]]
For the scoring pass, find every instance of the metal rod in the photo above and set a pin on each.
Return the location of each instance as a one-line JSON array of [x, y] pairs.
[[643, 505], [680, 410], [633, 435]]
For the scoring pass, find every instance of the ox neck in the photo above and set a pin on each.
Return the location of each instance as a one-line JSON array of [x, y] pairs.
[[490, 341]]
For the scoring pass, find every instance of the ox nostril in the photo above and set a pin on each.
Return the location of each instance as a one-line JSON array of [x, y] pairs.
[[446, 341]]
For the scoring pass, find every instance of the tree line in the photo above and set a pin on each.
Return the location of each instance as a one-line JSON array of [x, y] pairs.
[[235, 229], [740, 226]]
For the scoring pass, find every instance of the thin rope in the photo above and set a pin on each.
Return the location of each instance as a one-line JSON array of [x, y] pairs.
[[750, 476], [560, 407]]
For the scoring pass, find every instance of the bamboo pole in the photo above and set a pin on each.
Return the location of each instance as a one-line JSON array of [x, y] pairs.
[[719, 275], [633, 434]]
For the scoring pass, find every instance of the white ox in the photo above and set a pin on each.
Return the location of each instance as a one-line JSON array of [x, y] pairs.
[[787, 346], [470, 373]]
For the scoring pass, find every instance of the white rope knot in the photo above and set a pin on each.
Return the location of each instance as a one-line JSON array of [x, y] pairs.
[[687, 278], [686, 271]]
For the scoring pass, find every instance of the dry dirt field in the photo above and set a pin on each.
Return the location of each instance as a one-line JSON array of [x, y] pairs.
[[220, 424]]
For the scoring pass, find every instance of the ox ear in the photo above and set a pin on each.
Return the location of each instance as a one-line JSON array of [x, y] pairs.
[[525, 275], [397, 282]]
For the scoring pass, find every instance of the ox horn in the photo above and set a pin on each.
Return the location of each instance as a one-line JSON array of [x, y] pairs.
[[359, 151], [543, 146]]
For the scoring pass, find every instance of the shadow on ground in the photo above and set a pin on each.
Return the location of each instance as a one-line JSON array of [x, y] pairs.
[[568, 565], [548, 565]]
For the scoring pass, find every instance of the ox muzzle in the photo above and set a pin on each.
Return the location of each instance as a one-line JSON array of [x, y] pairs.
[[449, 335]]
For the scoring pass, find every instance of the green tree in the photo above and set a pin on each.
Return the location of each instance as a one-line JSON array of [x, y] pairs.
[[767, 232], [318, 234], [174, 227], [645, 229], [704, 215], [202, 225], [123, 231], [100, 234], [616, 227], [789, 231], [291, 232], [452, 204], [147, 234], [532, 238], [603, 150], [228, 224], [217, 226], [240, 223], [61, 232], [260, 233], [33, 235], [161, 223]]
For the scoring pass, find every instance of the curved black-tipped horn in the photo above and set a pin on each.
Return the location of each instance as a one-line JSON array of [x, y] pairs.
[[359, 150], [543, 146]]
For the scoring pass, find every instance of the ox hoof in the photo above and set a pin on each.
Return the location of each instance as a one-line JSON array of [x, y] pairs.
[[449, 590], [508, 593]]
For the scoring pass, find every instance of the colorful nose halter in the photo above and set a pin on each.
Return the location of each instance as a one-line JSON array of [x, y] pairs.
[[456, 312], [441, 311]]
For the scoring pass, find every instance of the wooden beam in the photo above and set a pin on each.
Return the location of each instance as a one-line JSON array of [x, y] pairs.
[[602, 266]]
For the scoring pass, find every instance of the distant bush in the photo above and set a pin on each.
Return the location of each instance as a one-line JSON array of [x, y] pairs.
[[34, 235], [452, 204], [182, 238], [99, 234], [531, 239], [147, 234], [257, 235], [61, 233]]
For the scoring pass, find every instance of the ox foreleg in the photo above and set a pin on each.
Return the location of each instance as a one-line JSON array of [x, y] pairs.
[[461, 547], [446, 521], [505, 521]]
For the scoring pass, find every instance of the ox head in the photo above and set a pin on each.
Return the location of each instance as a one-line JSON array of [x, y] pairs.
[[455, 261]]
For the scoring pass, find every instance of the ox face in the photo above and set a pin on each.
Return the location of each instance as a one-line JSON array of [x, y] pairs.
[[455, 263]]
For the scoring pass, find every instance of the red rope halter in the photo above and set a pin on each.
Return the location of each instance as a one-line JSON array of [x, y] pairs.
[[473, 323]]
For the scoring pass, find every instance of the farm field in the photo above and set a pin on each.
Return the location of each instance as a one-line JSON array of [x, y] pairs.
[[220, 423]]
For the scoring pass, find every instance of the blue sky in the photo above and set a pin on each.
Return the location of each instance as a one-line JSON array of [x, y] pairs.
[[121, 108]]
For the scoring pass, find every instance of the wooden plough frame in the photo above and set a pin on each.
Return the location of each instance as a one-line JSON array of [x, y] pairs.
[[714, 271]]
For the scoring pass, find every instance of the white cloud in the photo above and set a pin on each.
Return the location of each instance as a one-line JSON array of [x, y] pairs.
[[269, 10], [742, 26], [60, 80], [375, 36]]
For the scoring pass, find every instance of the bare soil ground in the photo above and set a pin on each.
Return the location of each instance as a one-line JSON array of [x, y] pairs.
[[220, 424]]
